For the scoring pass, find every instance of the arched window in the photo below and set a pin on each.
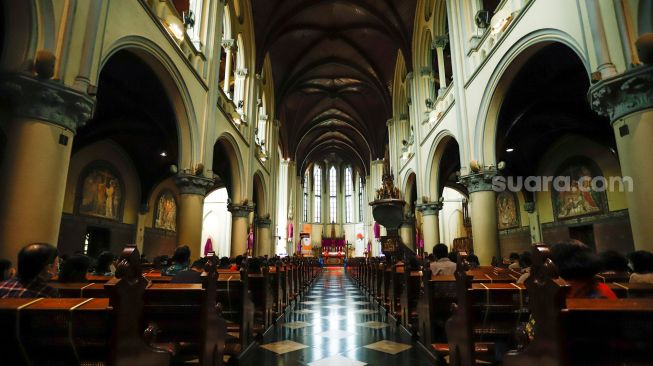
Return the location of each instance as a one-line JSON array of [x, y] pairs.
[[441, 56], [193, 22], [240, 76], [349, 204], [262, 125], [360, 199], [332, 195], [228, 56], [317, 194], [305, 202]]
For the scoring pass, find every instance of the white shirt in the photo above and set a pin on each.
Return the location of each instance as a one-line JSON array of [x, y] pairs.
[[443, 267]]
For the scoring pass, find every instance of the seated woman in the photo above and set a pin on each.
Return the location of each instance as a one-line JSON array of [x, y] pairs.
[[641, 263], [513, 261], [179, 261], [525, 262], [578, 265], [103, 264], [74, 269]]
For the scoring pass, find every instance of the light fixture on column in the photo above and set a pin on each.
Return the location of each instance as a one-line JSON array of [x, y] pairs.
[[510, 149]]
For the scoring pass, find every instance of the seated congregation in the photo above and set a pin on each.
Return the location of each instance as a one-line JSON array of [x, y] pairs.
[[558, 305], [125, 311]]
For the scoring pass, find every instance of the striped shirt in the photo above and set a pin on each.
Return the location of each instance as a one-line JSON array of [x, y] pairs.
[[35, 288]]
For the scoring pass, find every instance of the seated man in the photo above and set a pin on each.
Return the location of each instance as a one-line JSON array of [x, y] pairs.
[[179, 261], [37, 264], [6, 271], [192, 275], [103, 264], [74, 269], [442, 266]]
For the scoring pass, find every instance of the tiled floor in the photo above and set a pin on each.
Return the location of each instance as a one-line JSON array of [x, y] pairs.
[[335, 325]]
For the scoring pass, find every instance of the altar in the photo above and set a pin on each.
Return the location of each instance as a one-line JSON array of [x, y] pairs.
[[334, 251]]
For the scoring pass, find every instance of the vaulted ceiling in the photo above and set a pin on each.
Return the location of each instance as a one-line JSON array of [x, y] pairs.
[[333, 63]]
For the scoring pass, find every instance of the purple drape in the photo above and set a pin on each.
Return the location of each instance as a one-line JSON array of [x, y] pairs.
[[250, 239], [377, 230], [333, 245], [208, 248], [290, 230]]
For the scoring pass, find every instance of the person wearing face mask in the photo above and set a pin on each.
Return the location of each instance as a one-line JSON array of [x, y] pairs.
[[37, 264]]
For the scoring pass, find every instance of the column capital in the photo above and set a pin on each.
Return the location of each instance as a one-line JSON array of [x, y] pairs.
[[478, 182], [263, 223], [529, 207], [242, 210], [440, 42], [242, 73], [229, 44], [46, 100], [408, 220], [390, 122], [193, 184], [429, 208], [622, 95]]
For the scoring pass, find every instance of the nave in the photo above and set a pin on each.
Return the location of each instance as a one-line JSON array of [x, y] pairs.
[[336, 324]]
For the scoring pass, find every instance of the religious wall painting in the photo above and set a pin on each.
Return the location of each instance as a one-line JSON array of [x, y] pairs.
[[166, 212], [578, 198], [507, 210], [100, 192]]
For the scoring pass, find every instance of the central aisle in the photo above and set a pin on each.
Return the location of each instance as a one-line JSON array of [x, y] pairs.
[[333, 325]]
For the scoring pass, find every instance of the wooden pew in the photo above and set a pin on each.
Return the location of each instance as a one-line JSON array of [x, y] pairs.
[[582, 331], [136, 325], [434, 308], [410, 295], [631, 290], [261, 295], [395, 290], [274, 276], [484, 320]]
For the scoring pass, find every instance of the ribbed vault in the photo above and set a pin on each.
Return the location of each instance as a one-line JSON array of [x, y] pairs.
[[333, 63]]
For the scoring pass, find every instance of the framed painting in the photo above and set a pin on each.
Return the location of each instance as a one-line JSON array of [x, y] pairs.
[[100, 192], [166, 212], [579, 196], [507, 210]]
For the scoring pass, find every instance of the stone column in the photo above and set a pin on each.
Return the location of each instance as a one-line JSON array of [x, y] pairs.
[[239, 90], [628, 102], [534, 222], [439, 43], [191, 210], [39, 137], [483, 212], [407, 232], [263, 239], [239, 227], [228, 45], [430, 224], [605, 67]]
